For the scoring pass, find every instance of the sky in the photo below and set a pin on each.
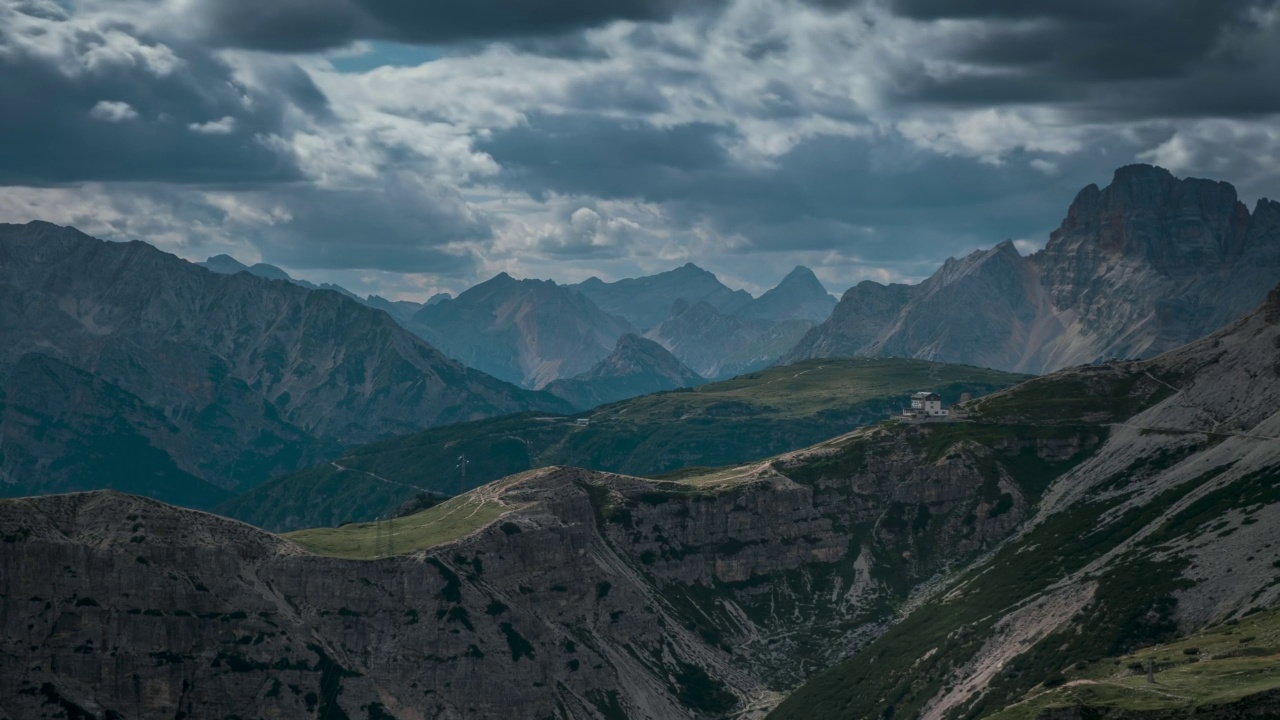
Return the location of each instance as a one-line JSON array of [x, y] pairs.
[[406, 147]]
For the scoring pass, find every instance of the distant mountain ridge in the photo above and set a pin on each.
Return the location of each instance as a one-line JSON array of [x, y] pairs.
[[1143, 266], [527, 332], [635, 367], [719, 344], [535, 332], [646, 301], [252, 376], [401, 310]]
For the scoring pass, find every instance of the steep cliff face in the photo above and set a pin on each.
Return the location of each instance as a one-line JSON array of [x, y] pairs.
[[1152, 262], [250, 363], [1143, 266], [635, 367], [529, 332]]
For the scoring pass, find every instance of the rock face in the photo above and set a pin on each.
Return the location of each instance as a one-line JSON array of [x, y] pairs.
[[635, 367], [646, 301], [1143, 266], [233, 376], [529, 332]]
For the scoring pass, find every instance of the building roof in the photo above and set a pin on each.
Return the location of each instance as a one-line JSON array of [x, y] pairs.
[[926, 396]]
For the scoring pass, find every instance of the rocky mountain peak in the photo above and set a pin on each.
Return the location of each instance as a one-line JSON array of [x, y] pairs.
[[224, 264], [799, 296], [802, 276], [636, 366]]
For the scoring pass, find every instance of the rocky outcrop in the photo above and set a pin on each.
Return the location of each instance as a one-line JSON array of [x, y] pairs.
[[268, 373], [1272, 308], [1141, 267], [635, 367], [528, 332]]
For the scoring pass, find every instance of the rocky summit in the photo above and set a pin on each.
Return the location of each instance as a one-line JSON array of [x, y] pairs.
[[938, 570], [1140, 267]]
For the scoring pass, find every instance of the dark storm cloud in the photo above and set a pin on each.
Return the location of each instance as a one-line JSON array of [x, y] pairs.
[[1133, 59], [397, 224], [99, 104], [302, 25], [824, 194]]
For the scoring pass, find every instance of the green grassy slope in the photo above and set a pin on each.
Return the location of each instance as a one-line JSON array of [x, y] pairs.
[[747, 418], [1193, 676], [424, 530]]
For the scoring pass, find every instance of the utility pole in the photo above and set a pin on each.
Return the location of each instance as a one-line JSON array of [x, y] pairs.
[[462, 478]]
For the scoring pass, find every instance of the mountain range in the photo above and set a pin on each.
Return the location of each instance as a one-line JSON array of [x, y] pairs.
[[1140, 267], [535, 332], [225, 379], [1079, 533]]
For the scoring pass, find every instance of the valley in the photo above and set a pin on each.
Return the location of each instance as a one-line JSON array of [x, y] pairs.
[[748, 418]]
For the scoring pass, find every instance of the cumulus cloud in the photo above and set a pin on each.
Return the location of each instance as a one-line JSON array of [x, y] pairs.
[[95, 98], [113, 111], [224, 126]]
